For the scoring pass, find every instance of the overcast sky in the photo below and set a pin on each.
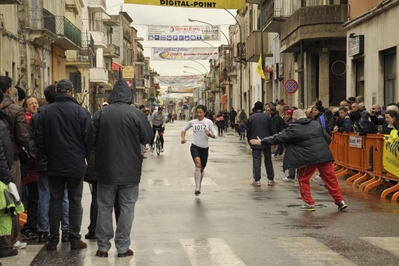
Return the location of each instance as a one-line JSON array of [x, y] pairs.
[[144, 15]]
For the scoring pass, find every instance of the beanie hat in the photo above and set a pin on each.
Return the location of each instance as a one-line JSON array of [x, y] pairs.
[[319, 108], [258, 106]]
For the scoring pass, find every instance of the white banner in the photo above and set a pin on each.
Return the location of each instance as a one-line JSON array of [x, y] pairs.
[[183, 33], [180, 83], [182, 53]]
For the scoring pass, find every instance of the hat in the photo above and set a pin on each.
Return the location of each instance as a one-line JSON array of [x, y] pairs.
[[64, 86], [319, 108], [258, 106], [105, 103], [352, 99], [289, 112]]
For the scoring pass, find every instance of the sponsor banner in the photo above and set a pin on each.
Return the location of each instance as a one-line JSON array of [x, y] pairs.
[[180, 83], [215, 4], [183, 33], [390, 155], [182, 53]]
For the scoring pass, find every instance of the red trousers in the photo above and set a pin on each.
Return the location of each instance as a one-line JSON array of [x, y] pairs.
[[328, 175]]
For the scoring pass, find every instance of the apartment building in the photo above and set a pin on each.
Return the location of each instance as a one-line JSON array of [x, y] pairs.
[[372, 55]]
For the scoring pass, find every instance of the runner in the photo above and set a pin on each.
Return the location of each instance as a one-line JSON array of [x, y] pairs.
[[202, 129]]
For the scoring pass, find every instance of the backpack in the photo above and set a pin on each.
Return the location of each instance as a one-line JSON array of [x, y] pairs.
[[365, 126]]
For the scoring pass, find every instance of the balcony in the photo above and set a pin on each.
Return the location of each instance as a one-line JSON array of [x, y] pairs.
[[254, 48], [75, 59], [10, 2], [99, 39], [275, 13], [110, 20], [98, 75], [323, 23], [87, 45], [69, 36], [42, 27], [112, 51], [99, 6]]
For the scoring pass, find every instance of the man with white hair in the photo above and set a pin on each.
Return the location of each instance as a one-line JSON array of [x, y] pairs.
[[307, 149]]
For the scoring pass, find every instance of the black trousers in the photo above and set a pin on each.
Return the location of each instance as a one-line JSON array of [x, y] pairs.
[[75, 188], [33, 198]]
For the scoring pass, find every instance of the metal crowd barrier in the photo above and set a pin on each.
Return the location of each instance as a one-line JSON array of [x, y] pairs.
[[352, 154]]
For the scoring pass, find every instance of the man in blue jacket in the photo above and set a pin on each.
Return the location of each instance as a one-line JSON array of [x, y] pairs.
[[261, 125], [60, 136], [116, 132]]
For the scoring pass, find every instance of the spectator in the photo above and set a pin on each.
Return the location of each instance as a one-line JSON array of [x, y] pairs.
[[117, 131], [7, 248], [307, 137], [260, 125], [242, 120], [280, 126], [43, 187], [19, 134], [60, 123], [344, 123], [232, 115]]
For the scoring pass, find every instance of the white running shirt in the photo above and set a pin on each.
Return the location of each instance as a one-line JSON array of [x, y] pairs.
[[200, 139]]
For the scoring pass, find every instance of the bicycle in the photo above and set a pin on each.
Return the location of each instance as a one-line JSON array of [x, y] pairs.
[[157, 141]]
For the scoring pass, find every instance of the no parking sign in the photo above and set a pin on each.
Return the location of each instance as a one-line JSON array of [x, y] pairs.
[[291, 86]]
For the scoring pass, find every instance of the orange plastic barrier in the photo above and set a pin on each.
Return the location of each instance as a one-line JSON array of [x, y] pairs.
[[22, 219], [360, 158]]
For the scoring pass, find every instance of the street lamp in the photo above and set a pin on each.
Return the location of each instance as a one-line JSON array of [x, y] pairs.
[[194, 68], [200, 21], [200, 64], [239, 27]]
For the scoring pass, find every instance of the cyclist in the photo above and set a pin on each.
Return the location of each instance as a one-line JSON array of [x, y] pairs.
[[158, 119]]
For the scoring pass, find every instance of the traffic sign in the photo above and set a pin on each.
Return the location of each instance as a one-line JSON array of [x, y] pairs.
[[290, 86], [130, 83]]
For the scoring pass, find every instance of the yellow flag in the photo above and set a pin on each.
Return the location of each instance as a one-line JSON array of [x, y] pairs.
[[259, 69]]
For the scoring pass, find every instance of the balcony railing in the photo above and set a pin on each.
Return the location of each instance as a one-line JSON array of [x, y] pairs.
[[10, 2], [275, 12], [254, 48], [99, 38], [98, 75], [66, 29], [112, 51], [48, 21], [97, 5]]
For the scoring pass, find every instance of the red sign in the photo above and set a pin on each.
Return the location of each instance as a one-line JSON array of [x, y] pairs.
[[130, 83], [291, 86]]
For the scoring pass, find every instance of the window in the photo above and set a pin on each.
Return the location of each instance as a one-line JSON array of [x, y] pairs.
[[390, 76]]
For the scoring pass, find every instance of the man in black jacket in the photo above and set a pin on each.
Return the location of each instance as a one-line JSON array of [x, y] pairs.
[[60, 133], [261, 125], [307, 149], [116, 132]]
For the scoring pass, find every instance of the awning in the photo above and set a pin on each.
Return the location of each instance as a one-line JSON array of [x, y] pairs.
[[223, 99]]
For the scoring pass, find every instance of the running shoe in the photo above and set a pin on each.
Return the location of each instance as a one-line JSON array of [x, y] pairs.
[[197, 191], [342, 206], [256, 184], [308, 207], [270, 183]]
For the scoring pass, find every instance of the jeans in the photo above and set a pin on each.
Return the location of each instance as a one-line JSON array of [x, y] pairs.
[[128, 195], [242, 131], [57, 193], [256, 163], [43, 206]]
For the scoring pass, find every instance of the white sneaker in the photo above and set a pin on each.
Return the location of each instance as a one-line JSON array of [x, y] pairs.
[[161, 149], [20, 245]]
